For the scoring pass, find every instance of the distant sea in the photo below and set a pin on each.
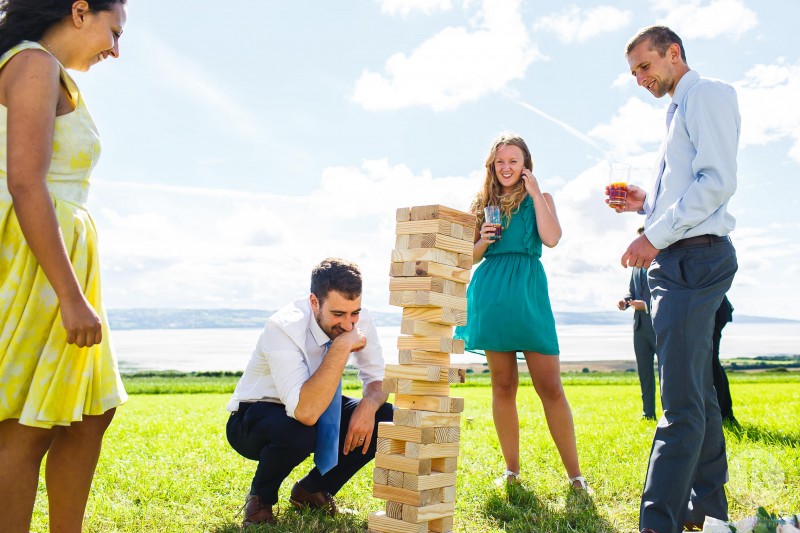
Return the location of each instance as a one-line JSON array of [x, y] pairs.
[[208, 349]]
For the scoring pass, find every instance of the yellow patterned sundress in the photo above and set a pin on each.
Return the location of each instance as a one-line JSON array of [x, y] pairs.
[[44, 381]]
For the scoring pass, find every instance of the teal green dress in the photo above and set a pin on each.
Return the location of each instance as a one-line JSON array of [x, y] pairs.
[[508, 306]]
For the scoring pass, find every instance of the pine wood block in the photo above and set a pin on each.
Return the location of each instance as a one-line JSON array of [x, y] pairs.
[[427, 299], [429, 512], [390, 430], [380, 476], [395, 478], [403, 214], [441, 525], [440, 212], [432, 451], [389, 385], [390, 446], [443, 257], [428, 283], [440, 404], [420, 268], [443, 227], [425, 419], [449, 494], [444, 464], [427, 373], [402, 463], [394, 510], [433, 240], [380, 523], [433, 481], [423, 388], [437, 315], [445, 434], [430, 344], [425, 329], [422, 357], [409, 497]]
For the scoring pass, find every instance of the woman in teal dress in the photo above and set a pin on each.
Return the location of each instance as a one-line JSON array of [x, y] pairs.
[[508, 306]]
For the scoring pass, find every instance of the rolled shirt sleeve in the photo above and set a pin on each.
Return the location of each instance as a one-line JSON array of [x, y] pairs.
[[286, 363]]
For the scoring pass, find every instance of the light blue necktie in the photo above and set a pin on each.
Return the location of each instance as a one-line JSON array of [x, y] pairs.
[[651, 199], [326, 450]]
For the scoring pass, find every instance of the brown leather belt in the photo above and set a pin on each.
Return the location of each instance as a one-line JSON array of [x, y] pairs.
[[700, 240]]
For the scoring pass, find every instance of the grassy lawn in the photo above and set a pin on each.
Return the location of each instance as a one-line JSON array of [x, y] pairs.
[[167, 467]]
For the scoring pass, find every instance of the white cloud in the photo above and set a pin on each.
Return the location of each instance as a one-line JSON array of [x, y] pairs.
[[633, 130], [694, 20], [574, 24], [455, 66], [768, 104], [405, 7]]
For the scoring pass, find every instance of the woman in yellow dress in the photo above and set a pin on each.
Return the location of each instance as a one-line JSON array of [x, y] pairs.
[[59, 382]]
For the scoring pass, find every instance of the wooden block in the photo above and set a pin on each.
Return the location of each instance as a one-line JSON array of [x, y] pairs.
[[395, 478], [394, 510], [403, 214], [428, 212], [380, 523], [402, 463], [449, 494], [423, 388], [443, 257], [391, 431], [451, 434], [389, 385], [441, 525], [419, 372], [409, 497], [443, 227], [432, 481], [430, 344], [436, 315], [439, 404], [432, 451], [465, 261], [433, 240], [425, 419], [428, 513], [425, 329], [380, 476], [428, 283], [390, 446], [427, 299], [444, 464], [421, 357], [418, 268]]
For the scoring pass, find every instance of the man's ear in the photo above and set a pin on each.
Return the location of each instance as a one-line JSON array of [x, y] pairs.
[[314, 303], [79, 10], [674, 52]]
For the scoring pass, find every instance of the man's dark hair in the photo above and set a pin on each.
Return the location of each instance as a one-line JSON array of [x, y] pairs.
[[660, 38], [333, 274], [640, 230]]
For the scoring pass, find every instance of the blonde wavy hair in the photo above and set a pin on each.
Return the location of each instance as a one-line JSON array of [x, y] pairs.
[[490, 193]]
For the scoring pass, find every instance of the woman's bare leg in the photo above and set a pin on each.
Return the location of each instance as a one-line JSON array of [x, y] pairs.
[[505, 379]]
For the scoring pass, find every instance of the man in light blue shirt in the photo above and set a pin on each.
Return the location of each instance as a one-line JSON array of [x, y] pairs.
[[691, 266]]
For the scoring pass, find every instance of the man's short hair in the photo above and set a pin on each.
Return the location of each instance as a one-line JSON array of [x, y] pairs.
[[660, 38], [334, 274]]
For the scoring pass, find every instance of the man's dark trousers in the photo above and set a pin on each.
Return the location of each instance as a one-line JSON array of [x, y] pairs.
[[687, 459], [644, 342], [263, 432]]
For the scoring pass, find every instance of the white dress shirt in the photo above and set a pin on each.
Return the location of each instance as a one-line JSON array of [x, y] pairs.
[[700, 163], [290, 350]]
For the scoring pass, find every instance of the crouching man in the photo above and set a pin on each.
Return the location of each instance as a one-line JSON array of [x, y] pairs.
[[289, 401]]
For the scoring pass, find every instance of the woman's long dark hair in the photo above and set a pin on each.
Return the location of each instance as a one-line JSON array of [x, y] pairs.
[[27, 20]]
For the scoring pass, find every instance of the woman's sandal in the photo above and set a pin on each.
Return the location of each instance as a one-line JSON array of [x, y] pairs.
[[508, 478], [583, 485]]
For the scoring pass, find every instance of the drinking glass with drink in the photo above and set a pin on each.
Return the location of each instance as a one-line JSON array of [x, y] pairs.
[[618, 184], [492, 213]]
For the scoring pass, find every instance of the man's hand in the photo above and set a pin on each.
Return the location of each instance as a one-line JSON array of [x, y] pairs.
[[634, 201], [639, 305], [640, 253], [354, 338], [362, 424], [622, 305]]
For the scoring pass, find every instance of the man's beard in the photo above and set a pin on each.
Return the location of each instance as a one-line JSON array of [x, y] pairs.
[[331, 331]]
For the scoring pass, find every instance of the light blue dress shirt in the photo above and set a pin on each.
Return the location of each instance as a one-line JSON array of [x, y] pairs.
[[700, 164]]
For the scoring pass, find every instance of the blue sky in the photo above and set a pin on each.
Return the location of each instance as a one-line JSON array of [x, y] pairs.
[[244, 143]]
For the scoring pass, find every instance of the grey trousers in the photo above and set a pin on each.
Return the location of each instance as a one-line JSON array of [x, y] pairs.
[[688, 467], [644, 345]]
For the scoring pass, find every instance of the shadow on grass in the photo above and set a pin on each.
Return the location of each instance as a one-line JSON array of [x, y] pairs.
[[291, 520], [520, 510], [757, 433]]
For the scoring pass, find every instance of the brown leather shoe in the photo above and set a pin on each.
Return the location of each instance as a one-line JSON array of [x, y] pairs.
[[300, 497], [257, 513]]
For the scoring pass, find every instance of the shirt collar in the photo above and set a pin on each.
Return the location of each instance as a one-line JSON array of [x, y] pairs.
[[686, 81], [319, 336]]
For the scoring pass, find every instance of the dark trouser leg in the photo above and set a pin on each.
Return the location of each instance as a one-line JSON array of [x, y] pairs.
[[720, 378], [644, 345], [263, 432], [351, 463], [687, 458]]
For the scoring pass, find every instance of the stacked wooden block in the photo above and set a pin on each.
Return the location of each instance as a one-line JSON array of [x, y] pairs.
[[417, 456]]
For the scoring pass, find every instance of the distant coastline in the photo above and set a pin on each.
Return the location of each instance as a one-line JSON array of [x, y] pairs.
[[142, 318]]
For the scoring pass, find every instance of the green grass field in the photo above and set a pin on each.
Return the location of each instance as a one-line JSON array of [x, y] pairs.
[[166, 466]]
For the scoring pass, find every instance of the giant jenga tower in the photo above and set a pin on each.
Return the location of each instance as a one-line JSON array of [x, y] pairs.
[[417, 456]]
